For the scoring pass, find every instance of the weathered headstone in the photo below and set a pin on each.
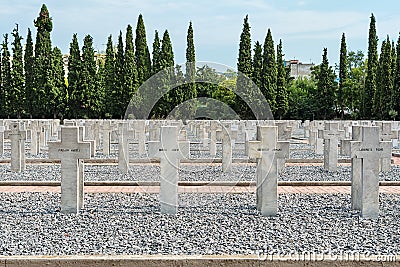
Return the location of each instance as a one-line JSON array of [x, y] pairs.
[[267, 149], [17, 136], [71, 152]]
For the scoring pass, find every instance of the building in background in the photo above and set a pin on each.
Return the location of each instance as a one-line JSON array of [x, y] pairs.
[[299, 69]]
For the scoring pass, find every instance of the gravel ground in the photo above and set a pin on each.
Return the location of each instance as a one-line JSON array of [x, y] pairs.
[[131, 224], [200, 172]]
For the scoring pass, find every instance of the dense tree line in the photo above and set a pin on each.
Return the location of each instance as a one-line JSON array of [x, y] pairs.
[[34, 82], [364, 88]]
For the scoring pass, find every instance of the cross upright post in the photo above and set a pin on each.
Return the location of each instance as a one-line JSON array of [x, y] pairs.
[[266, 150], [106, 130], [123, 147], [170, 152], [71, 152], [17, 136]]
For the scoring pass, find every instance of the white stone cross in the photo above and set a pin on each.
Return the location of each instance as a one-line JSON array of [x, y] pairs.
[[213, 137], [140, 135], [123, 147], [331, 135], [2, 129], [17, 136], [71, 152], [365, 151], [314, 140], [267, 149], [387, 134], [226, 136], [170, 152], [106, 130], [35, 133]]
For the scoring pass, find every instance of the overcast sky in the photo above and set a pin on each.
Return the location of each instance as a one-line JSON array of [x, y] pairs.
[[305, 26]]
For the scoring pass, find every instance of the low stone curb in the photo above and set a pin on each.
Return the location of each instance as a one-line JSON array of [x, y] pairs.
[[199, 261]]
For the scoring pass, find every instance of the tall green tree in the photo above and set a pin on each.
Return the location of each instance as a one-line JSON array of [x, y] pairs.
[[91, 104], [257, 64], [396, 86], [325, 89], [109, 78], [29, 70], [142, 54], [269, 72], [244, 67], [156, 67], [130, 70], [189, 90], [384, 88], [367, 100], [75, 97], [118, 92], [17, 89], [169, 98], [282, 103], [43, 50], [5, 78], [343, 74], [58, 96], [354, 85], [100, 85]]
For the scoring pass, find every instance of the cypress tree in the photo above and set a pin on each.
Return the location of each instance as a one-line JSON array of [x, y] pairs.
[[5, 78], [29, 63], [269, 72], [118, 93], [58, 95], [169, 99], [17, 92], [109, 78], [367, 97], [384, 88], [74, 79], [257, 64], [396, 86], [90, 101], [189, 90], [325, 95], [393, 112], [130, 71], [282, 103], [156, 67], [244, 73], [43, 50], [100, 86], [142, 54], [2, 98], [343, 65]]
